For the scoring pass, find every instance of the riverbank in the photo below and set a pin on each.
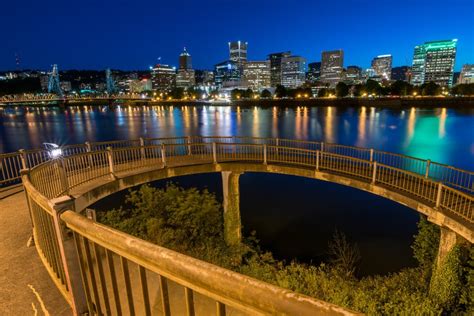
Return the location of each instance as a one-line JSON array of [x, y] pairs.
[[386, 102], [425, 102]]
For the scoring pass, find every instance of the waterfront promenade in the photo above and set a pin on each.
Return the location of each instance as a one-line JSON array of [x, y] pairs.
[[26, 287]]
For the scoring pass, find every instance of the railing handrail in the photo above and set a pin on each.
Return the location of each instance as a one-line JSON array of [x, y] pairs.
[[200, 276], [13, 175]]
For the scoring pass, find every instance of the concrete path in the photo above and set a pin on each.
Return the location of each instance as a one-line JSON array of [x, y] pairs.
[[25, 286]]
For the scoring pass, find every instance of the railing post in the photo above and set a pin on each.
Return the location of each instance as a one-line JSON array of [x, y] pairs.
[[62, 175], [277, 144], [188, 141], [163, 154], [371, 154], [322, 146], [69, 255], [110, 156], [427, 171], [24, 161], [89, 149], [317, 160], [214, 152], [374, 172], [438, 195], [142, 147], [264, 154]]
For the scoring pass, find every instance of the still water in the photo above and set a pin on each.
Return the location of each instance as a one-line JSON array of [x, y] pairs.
[[293, 217]]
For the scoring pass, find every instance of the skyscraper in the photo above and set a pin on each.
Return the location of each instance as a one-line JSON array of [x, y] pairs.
[[382, 66], [314, 72], [293, 71], [163, 77], [401, 73], [185, 60], [238, 52], [353, 75], [467, 74], [227, 74], [434, 62], [275, 67], [185, 76], [256, 74], [332, 63]]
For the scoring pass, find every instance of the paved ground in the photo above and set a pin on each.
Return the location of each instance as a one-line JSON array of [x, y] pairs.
[[25, 286]]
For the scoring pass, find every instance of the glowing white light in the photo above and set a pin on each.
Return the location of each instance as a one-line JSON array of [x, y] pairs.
[[54, 150]]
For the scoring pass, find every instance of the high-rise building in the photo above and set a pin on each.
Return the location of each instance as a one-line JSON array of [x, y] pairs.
[[418, 66], [256, 74], [163, 77], [467, 74], [332, 63], [227, 74], [275, 67], [353, 75], [434, 62], [238, 52], [401, 73], [293, 71], [185, 60], [185, 76], [314, 72], [382, 65]]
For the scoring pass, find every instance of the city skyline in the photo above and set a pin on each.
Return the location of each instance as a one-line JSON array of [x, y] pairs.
[[84, 41]]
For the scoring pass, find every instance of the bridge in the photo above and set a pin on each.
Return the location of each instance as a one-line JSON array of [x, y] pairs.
[[101, 270]]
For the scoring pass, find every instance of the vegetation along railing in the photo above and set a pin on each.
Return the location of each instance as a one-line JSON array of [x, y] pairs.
[[119, 273]]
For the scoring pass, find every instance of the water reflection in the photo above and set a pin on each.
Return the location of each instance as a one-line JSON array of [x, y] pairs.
[[440, 134]]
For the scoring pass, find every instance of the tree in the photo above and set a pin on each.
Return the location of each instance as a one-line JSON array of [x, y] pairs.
[[342, 90], [400, 88], [358, 90], [266, 94], [425, 245], [322, 93], [465, 89], [236, 94], [344, 255], [430, 88], [372, 87], [281, 91], [177, 93]]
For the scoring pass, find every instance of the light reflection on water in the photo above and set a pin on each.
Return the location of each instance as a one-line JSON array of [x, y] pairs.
[[440, 134]]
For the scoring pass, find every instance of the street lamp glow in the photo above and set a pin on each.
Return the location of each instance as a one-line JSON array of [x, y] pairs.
[[54, 151]]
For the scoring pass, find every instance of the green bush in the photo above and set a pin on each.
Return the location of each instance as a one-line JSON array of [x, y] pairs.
[[191, 221]]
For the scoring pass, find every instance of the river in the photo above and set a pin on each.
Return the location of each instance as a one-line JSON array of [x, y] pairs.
[[293, 217]]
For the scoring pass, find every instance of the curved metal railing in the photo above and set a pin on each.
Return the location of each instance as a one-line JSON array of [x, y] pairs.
[[50, 182], [463, 180]]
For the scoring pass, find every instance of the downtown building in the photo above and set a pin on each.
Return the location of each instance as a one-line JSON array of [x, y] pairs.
[[163, 77], [314, 72], [382, 65], [467, 74], [238, 52], [275, 67], [402, 73], [353, 75], [185, 78], [227, 74], [256, 75], [293, 71], [434, 62], [332, 63]]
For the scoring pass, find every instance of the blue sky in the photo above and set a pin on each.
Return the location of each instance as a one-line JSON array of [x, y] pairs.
[[121, 34]]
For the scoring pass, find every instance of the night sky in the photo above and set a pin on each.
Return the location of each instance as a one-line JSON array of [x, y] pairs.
[[96, 34]]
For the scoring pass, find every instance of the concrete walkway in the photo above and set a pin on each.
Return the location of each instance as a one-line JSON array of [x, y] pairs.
[[25, 286]]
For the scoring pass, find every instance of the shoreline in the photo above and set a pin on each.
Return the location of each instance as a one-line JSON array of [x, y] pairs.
[[385, 102]]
